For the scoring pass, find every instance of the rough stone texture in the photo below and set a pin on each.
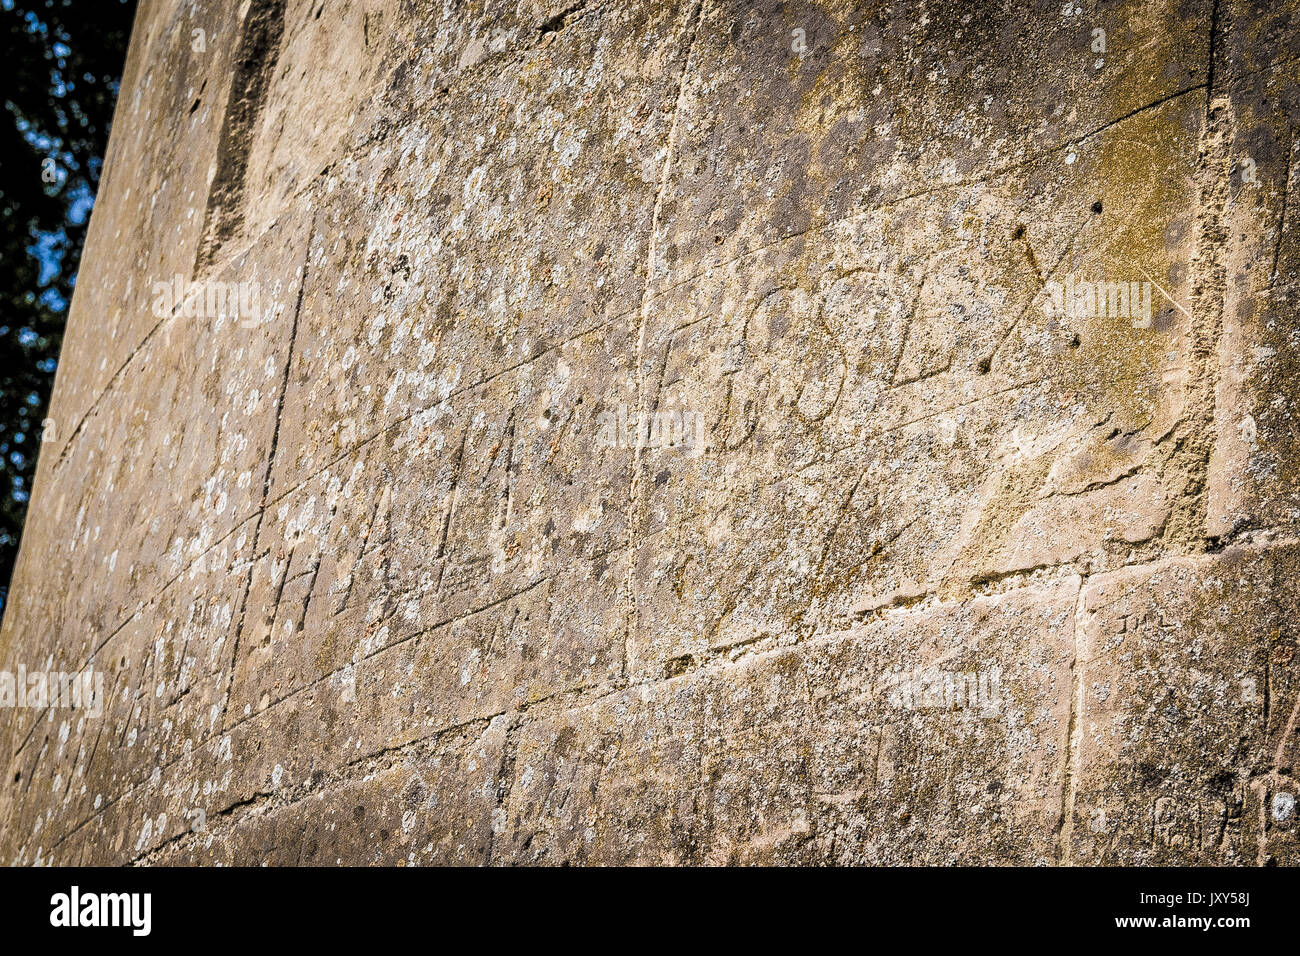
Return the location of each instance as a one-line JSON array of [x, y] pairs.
[[368, 584]]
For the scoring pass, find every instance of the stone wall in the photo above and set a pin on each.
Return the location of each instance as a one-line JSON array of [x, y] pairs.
[[686, 432]]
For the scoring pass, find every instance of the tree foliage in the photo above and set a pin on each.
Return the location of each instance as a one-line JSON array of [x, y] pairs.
[[62, 74]]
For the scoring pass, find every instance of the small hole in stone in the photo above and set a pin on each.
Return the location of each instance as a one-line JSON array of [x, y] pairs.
[[984, 365], [1019, 233], [1074, 342], [1096, 207]]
